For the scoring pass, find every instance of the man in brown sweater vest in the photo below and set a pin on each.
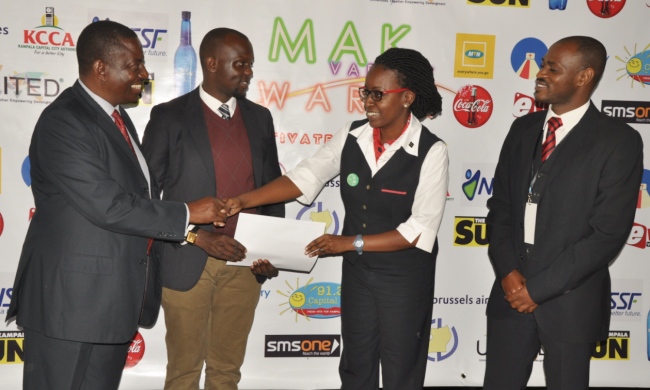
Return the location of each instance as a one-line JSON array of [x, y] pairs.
[[212, 142]]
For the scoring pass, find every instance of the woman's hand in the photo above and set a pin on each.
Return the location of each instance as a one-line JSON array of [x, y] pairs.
[[329, 244], [232, 206]]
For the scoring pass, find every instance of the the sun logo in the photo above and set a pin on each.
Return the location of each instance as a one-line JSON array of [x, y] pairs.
[[637, 66], [318, 300]]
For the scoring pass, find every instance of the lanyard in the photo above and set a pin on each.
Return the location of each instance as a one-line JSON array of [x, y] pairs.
[[534, 173]]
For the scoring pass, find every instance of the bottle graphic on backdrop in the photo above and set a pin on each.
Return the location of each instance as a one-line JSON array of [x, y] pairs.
[[185, 59], [557, 4]]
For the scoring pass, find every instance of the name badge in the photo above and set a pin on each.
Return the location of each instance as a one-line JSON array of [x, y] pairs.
[[530, 216]]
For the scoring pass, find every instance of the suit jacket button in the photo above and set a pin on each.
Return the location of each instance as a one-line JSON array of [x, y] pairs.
[[143, 262]]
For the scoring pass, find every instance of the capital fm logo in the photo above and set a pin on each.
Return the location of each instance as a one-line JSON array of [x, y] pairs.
[[474, 56], [525, 104], [557, 4], [443, 341], [314, 212], [48, 39], [605, 8], [136, 351], [637, 66], [644, 191], [320, 300], [473, 106], [526, 57]]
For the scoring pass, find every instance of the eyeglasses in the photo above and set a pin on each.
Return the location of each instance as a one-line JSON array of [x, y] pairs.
[[377, 95]]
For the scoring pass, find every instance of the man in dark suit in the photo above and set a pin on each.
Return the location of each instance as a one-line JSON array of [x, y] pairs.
[[86, 277], [212, 141], [565, 192]]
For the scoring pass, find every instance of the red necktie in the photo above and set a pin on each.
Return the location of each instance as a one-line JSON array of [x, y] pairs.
[[125, 133], [549, 144]]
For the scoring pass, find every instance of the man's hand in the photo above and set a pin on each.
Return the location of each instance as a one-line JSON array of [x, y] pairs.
[[265, 268], [232, 206], [521, 301], [207, 210], [329, 244], [220, 246], [513, 282]]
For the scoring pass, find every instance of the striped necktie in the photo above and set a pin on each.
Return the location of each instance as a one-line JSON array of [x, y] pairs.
[[548, 146], [224, 111]]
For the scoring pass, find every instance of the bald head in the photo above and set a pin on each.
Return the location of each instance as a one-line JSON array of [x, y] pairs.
[[213, 42], [592, 54]]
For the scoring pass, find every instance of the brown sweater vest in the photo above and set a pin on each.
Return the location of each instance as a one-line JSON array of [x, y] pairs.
[[231, 153]]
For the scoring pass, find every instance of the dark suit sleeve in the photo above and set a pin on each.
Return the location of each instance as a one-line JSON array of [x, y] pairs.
[[155, 145], [611, 221], [271, 165], [502, 250], [77, 163]]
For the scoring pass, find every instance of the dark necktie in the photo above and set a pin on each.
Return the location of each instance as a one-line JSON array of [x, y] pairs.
[[224, 111], [125, 133], [549, 144]]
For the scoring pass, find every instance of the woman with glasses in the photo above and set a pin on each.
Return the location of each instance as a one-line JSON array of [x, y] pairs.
[[393, 184]]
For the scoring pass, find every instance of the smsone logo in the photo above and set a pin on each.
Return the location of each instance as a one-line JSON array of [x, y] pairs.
[[302, 345], [627, 111]]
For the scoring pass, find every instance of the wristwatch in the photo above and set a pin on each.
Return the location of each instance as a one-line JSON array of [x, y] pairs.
[[358, 244], [191, 235]]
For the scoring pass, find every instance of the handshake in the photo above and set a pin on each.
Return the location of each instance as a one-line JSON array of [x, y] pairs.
[[213, 210]]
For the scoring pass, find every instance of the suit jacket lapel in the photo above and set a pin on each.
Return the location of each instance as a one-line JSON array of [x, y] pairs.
[[195, 120], [106, 124], [255, 139], [532, 136]]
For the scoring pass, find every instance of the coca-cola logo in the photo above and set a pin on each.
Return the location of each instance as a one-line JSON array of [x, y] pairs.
[[605, 8], [136, 351], [473, 106]]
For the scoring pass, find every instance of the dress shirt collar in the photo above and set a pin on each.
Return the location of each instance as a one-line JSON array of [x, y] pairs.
[[106, 106], [409, 140], [214, 103], [571, 118]]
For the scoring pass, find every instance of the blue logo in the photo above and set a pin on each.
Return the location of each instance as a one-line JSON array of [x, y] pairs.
[[474, 54], [318, 300], [526, 57], [24, 170], [443, 341]]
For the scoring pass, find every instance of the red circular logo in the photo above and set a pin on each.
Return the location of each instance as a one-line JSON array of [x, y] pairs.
[[2, 224], [605, 8], [473, 106], [136, 351]]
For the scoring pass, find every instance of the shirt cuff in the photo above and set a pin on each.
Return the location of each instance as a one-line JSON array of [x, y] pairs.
[[187, 223], [411, 231]]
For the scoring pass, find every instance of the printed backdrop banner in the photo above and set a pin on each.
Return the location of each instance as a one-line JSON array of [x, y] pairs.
[[311, 57]]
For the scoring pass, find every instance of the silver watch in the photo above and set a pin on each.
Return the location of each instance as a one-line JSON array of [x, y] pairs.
[[358, 244]]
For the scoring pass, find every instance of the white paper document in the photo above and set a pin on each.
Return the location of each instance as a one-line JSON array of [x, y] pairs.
[[281, 241]]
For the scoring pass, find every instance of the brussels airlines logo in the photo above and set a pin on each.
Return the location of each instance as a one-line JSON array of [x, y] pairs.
[[323, 345], [638, 236], [474, 56], [637, 66], [557, 4], [136, 351], [627, 111], [318, 300], [627, 299], [644, 195], [525, 104], [317, 214], [478, 185], [443, 341], [11, 347], [605, 8], [526, 57], [48, 38], [473, 106]]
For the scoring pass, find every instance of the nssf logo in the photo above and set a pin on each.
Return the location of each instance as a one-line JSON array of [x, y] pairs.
[[627, 111], [322, 345]]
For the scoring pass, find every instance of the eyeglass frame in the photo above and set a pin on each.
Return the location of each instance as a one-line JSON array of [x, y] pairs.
[[372, 93]]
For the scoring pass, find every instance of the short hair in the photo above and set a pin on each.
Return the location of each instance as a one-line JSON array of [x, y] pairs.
[[593, 54], [414, 72], [99, 41], [212, 42]]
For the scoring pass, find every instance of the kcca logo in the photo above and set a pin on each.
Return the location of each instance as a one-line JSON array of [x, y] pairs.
[[48, 38], [473, 106]]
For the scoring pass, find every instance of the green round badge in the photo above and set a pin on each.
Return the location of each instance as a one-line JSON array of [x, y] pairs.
[[353, 180]]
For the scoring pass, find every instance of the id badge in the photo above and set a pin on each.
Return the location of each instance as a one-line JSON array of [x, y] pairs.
[[530, 216]]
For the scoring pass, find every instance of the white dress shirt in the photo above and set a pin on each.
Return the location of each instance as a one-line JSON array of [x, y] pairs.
[[569, 121], [312, 173]]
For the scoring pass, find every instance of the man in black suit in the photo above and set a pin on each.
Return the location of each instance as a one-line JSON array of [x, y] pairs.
[[565, 192], [212, 141], [87, 276]]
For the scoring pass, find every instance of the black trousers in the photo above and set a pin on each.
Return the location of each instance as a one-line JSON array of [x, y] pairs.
[[385, 315], [56, 364], [512, 345]]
